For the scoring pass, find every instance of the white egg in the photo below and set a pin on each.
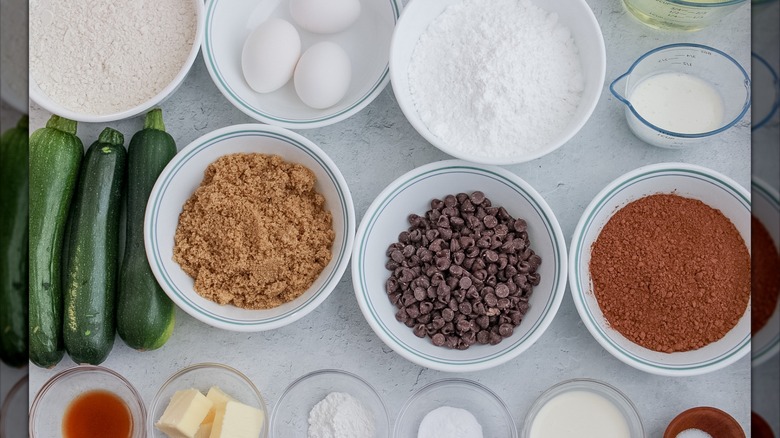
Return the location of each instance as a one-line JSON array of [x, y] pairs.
[[323, 74], [270, 54], [325, 16]]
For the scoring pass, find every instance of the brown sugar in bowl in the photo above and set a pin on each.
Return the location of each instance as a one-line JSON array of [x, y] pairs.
[[715, 422], [690, 181]]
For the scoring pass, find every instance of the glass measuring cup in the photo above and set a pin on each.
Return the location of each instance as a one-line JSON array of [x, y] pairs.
[[684, 15], [713, 66]]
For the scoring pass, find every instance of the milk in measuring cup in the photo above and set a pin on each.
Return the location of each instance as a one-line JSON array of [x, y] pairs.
[[678, 102]]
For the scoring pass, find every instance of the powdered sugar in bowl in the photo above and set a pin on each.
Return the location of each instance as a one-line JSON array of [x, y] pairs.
[[330, 399], [503, 93]]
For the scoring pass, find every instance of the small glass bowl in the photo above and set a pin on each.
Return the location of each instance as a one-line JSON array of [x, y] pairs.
[[488, 408], [203, 376], [14, 410], [49, 406], [624, 405], [290, 417]]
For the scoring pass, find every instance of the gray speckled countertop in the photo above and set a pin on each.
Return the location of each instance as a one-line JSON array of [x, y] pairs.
[[376, 146]]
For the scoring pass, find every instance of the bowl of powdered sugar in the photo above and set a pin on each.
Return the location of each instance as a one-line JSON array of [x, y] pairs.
[[106, 61], [497, 85]]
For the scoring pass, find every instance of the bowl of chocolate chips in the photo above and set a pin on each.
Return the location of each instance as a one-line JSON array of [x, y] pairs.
[[459, 266]]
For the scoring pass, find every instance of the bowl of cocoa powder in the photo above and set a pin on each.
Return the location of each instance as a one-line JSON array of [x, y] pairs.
[[459, 266], [249, 227], [660, 269]]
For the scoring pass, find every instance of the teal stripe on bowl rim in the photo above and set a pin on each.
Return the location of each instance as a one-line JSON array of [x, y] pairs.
[[180, 164], [763, 190], [249, 109], [579, 294], [460, 169]]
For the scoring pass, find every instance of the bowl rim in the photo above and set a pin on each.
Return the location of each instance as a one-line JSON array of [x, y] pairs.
[[263, 116], [81, 369], [507, 352], [151, 242], [595, 385], [40, 98], [11, 395], [410, 112], [765, 192], [300, 380], [150, 429], [458, 381], [718, 179]]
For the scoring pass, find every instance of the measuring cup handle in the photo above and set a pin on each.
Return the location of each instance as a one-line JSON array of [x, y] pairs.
[[614, 92]]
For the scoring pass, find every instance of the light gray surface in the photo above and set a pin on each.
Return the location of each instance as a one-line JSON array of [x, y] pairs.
[[376, 146]]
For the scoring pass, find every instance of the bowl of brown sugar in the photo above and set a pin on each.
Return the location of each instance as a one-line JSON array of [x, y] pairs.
[[659, 269], [249, 227]]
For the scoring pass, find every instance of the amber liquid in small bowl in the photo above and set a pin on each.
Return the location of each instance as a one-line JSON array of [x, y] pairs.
[[97, 414]]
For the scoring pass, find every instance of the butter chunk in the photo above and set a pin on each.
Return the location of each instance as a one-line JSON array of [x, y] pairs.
[[237, 420], [184, 413], [218, 400], [204, 431]]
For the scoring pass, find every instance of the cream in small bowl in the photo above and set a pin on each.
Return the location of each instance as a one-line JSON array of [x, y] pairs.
[[585, 408]]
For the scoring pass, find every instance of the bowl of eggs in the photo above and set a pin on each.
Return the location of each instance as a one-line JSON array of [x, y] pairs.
[[299, 63]]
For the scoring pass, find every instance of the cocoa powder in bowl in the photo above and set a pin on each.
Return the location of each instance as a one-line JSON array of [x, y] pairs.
[[670, 273]]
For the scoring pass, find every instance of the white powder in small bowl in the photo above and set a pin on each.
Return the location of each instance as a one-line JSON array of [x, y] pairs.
[[693, 433], [340, 415], [103, 57], [449, 422], [498, 80]]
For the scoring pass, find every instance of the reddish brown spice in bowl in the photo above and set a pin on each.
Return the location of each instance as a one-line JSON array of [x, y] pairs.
[[766, 283], [670, 273]]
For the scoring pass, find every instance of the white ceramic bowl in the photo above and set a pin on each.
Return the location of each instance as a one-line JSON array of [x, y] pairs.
[[184, 174], [609, 392], [714, 189], [39, 97], [490, 411], [766, 208], [386, 217], [367, 42], [291, 412], [575, 14], [202, 377]]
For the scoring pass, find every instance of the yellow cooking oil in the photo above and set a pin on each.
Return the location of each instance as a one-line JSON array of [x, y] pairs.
[[682, 15]]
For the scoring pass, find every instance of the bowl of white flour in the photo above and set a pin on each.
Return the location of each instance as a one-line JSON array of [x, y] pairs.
[[106, 61], [502, 84]]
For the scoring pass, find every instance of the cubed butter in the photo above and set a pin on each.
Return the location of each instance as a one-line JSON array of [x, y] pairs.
[[218, 400], [237, 420], [184, 413], [204, 431]]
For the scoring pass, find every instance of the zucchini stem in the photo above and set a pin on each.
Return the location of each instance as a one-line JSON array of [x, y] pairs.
[[112, 137], [24, 123], [62, 124], [154, 120]]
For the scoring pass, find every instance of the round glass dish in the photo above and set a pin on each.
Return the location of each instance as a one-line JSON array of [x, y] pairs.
[[49, 406], [609, 392], [15, 408], [203, 376], [490, 411], [290, 417]]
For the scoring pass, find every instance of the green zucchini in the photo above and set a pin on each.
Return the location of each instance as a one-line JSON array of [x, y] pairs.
[[145, 315], [55, 157], [93, 243], [14, 198]]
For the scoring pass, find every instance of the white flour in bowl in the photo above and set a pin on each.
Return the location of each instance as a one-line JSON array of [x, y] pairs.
[[102, 57], [496, 80]]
